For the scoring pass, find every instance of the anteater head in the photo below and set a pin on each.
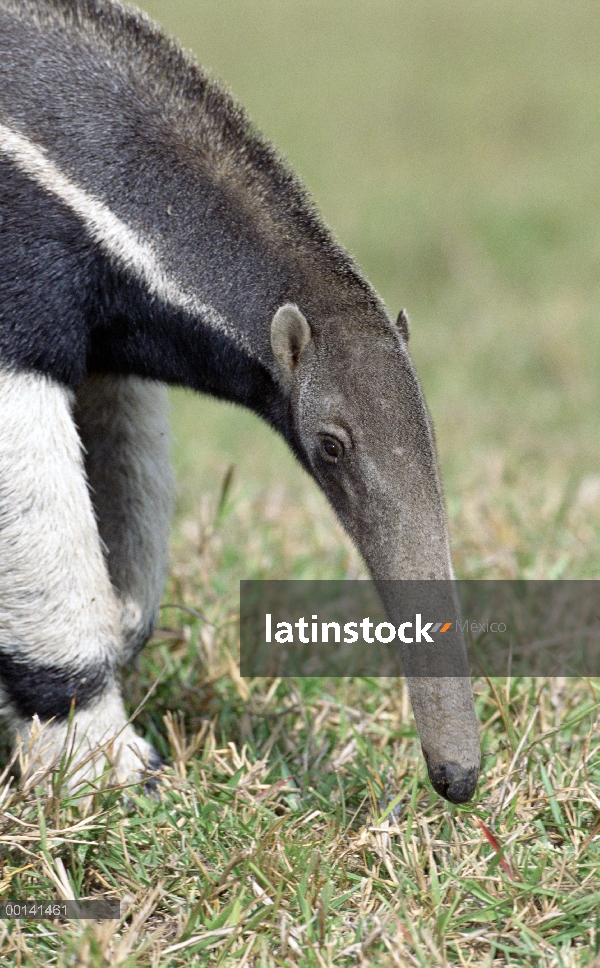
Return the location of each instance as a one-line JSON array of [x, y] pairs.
[[364, 432]]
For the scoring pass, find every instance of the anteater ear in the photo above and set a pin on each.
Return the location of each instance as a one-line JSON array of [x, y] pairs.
[[403, 325], [289, 335]]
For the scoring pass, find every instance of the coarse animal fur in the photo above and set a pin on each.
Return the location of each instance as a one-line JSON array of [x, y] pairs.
[[148, 235]]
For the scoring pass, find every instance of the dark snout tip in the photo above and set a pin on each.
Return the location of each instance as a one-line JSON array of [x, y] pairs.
[[453, 782]]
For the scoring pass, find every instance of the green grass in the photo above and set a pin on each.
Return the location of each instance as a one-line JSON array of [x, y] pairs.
[[453, 146]]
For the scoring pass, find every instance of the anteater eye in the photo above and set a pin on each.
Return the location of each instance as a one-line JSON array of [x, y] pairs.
[[331, 449]]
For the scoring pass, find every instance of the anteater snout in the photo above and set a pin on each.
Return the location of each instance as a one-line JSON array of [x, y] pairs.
[[452, 781]]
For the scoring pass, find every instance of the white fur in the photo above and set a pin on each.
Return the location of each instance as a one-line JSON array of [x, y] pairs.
[[110, 232], [98, 737], [56, 600]]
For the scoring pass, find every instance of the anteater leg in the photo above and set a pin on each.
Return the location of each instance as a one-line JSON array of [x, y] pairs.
[[122, 422], [60, 635]]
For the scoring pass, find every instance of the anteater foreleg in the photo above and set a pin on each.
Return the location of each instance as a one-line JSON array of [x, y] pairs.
[[60, 635], [122, 422]]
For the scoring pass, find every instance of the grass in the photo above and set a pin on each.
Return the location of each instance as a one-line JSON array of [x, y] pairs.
[[295, 824], [453, 147]]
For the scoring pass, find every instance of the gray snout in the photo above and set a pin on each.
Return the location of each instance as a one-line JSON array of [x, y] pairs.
[[452, 781]]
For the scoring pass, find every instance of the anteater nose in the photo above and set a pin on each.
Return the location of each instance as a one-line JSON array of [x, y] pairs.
[[452, 781]]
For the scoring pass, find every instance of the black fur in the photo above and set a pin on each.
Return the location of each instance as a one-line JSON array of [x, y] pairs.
[[48, 274], [66, 310], [50, 690]]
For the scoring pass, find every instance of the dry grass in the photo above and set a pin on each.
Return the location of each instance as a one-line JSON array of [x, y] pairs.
[[296, 825]]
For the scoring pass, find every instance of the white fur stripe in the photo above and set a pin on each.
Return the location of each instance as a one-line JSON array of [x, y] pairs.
[[113, 235]]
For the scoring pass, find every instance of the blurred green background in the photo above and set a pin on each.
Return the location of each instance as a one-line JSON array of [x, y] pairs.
[[454, 148]]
